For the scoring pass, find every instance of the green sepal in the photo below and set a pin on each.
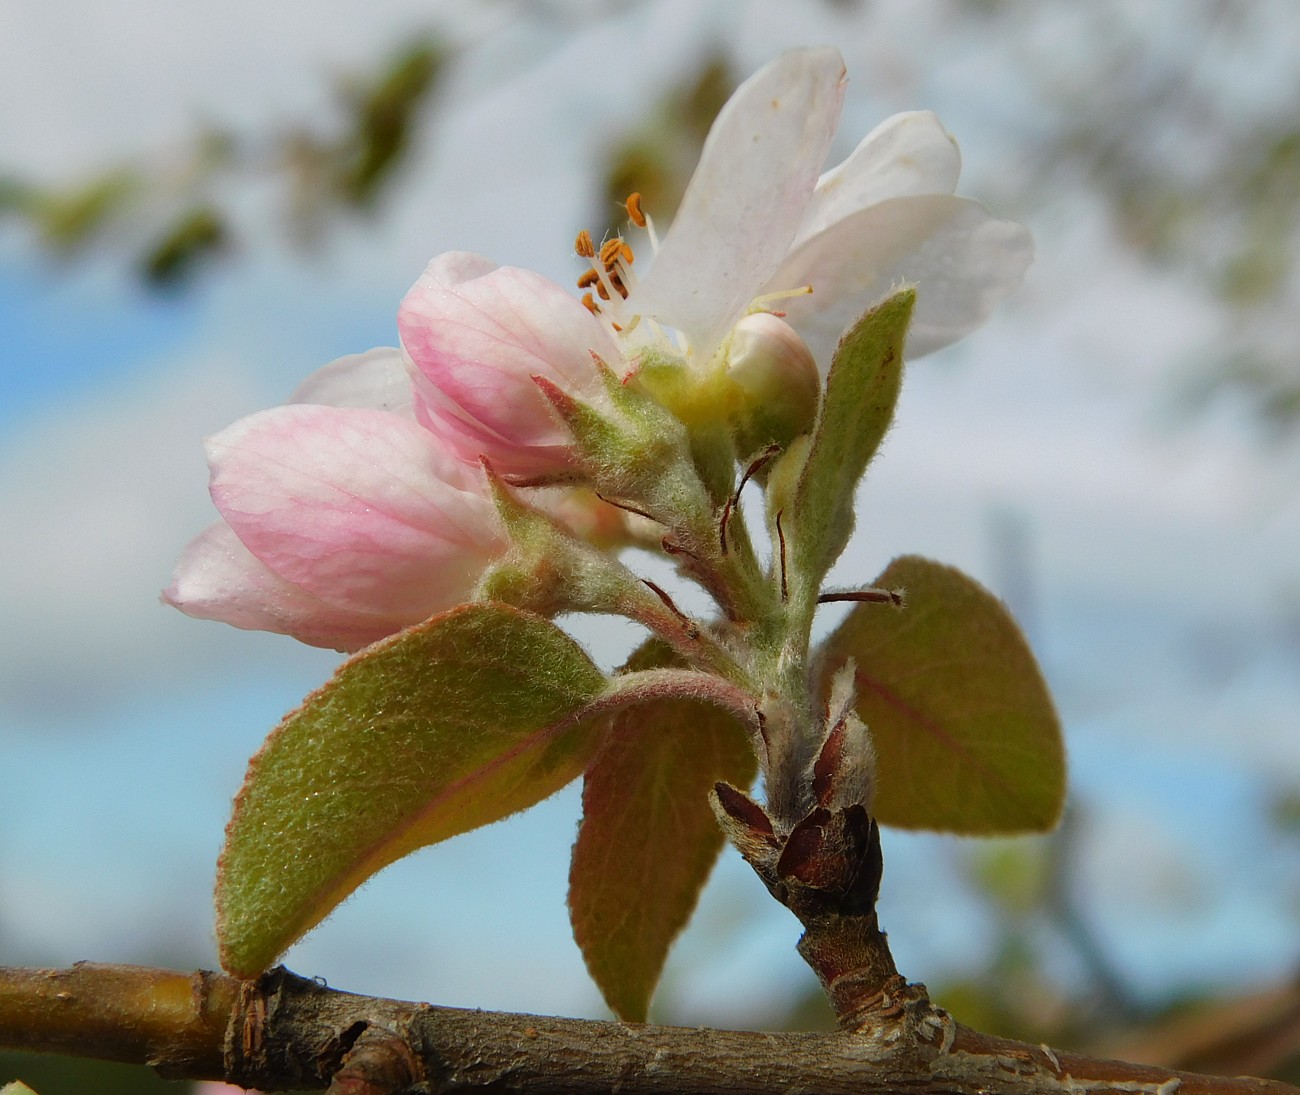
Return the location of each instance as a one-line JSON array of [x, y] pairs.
[[861, 391], [966, 737], [648, 838], [547, 569], [626, 446], [698, 400], [452, 724]]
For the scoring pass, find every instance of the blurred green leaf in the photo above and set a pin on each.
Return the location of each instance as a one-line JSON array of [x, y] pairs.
[[1284, 810], [17, 196], [1013, 874], [68, 219], [648, 837], [385, 114], [966, 737], [196, 237], [48, 1074], [656, 159], [445, 727]]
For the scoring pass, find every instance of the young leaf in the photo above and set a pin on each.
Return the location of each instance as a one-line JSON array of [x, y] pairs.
[[447, 726], [966, 737], [861, 391], [648, 838]]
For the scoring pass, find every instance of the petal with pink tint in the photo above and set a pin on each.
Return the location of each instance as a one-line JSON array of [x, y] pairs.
[[747, 197], [962, 260], [362, 509], [453, 267], [476, 345], [376, 379], [906, 154], [217, 578]]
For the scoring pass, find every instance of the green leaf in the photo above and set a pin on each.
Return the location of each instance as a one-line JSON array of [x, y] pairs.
[[193, 239], [385, 117], [648, 838], [69, 218], [966, 737], [447, 726], [861, 391]]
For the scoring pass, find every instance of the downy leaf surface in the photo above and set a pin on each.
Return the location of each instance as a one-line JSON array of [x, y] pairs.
[[452, 724], [966, 737]]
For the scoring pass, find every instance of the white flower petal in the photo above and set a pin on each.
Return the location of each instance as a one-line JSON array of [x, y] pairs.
[[376, 379], [962, 260], [746, 198], [906, 154]]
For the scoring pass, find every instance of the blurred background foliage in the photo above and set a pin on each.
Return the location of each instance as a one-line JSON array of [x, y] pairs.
[[1198, 177]]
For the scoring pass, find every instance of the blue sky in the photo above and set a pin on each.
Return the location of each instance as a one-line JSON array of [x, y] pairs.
[[1160, 558]]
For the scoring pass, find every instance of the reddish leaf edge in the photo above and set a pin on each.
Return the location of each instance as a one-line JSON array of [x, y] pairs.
[[865, 682], [623, 691]]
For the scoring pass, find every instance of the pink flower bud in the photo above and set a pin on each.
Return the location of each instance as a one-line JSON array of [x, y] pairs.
[[477, 335], [776, 382], [341, 526]]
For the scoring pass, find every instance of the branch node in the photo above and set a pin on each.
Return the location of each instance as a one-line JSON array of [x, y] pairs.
[[379, 1063]]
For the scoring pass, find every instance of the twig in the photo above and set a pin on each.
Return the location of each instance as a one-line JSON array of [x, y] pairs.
[[283, 1031]]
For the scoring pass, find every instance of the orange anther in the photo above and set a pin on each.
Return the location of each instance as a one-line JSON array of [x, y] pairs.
[[610, 251], [584, 246], [588, 279], [634, 210], [589, 302]]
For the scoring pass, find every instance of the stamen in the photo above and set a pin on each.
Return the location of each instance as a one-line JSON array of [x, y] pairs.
[[611, 274], [635, 211], [613, 251], [760, 304]]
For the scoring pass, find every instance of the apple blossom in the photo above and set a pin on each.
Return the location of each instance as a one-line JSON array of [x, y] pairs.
[[360, 508], [758, 225], [759, 229], [341, 524]]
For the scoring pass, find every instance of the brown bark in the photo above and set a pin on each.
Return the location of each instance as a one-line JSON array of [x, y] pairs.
[[283, 1032]]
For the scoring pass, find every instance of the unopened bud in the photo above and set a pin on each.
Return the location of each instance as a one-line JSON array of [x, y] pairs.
[[776, 383]]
